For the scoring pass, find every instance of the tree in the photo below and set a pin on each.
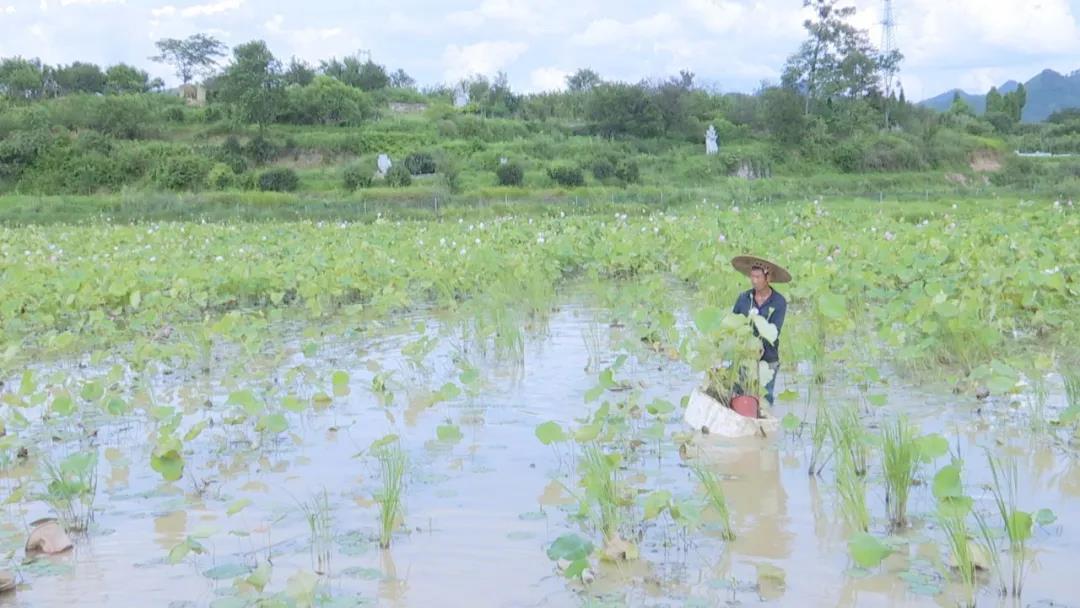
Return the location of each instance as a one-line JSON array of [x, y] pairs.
[[327, 101], [400, 80], [994, 101], [253, 83], [21, 78], [368, 75], [1015, 102], [197, 54], [783, 115], [299, 73], [624, 109], [373, 77], [122, 78], [837, 59], [959, 106], [80, 77], [672, 98], [582, 80]]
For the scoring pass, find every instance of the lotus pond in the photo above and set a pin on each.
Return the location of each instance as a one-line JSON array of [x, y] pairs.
[[487, 411]]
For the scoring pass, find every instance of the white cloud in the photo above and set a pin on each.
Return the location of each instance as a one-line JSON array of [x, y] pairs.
[[164, 11], [547, 79], [480, 58], [531, 16], [202, 10], [607, 31], [88, 2], [981, 32], [717, 15], [274, 23], [9, 10]]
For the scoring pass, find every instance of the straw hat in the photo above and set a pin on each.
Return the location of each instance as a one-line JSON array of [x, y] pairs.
[[777, 273]]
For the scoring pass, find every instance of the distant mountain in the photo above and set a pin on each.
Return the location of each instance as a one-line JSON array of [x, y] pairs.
[[1047, 92]]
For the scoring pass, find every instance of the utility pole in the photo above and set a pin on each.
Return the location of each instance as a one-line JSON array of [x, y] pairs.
[[888, 45]]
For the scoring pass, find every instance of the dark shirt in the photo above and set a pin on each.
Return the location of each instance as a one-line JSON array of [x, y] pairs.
[[773, 309]]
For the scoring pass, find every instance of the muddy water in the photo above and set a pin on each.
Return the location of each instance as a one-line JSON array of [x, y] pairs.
[[480, 512]]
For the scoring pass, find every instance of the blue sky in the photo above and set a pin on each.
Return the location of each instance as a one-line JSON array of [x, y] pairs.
[[731, 44]]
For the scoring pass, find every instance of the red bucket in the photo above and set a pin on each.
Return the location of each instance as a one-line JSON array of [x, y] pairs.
[[746, 405]]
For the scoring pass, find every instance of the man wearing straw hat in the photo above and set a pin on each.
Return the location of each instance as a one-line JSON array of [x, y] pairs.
[[767, 302]]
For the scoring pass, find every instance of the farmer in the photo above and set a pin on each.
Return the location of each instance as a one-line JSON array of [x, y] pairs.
[[767, 302]]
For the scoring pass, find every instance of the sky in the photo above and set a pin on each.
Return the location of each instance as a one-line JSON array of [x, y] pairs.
[[732, 45]]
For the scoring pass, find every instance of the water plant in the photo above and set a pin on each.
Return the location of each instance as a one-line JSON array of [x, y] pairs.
[[71, 489], [953, 508], [393, 463], [714, 497], [851, 490], [1016, 523], [320, 523], [849, 438], [604, 501], [900, 460]]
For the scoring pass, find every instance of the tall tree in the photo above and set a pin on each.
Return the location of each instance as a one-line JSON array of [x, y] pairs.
[[400, 80], [582, 80], [197, 54], [299, 73], [21, 78], [994, 101], [122, 78], [253, 83], [366, 75], [837, 58], [624, 109], [80, 77]]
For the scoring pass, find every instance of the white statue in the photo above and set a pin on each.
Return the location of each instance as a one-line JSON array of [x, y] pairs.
[[710, 141], [461, 98], [384, 164]]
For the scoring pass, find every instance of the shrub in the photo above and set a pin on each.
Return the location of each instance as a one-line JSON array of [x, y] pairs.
[[354, 176], [261, 150], [567, 177], [122, 116], [182, 172], [510, 174], [451, 174], [627, 171], [326, 101], [230, 153], [220, 176], [279, 179], [420, 163], [447, 129], [174, 114], [398, 176], [891, 153], [212, 114], [603, 168], [848, 156]]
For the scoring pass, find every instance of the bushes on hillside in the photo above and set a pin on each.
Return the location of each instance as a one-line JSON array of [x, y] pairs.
[[420, 163], [182, 172], [354, 176], [566, 176], [510, 174], [279, 179], [398, 176]]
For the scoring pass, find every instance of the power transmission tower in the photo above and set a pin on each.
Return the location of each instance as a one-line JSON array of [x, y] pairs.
[[888, 45]]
